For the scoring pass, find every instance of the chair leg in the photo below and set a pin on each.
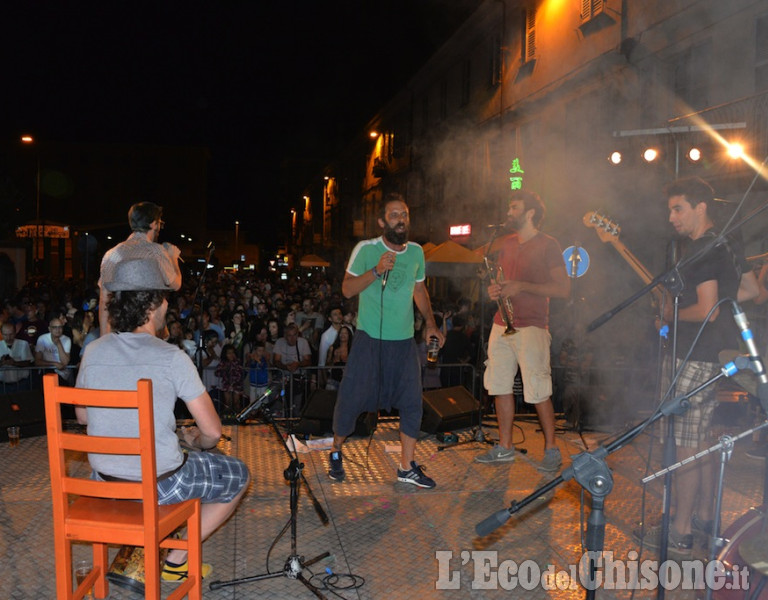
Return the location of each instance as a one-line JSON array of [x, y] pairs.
[[64, 579], [101, 562], [195, 556], [152, 571]]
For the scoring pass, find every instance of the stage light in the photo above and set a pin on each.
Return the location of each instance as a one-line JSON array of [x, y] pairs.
[[615, 158], [650, 154], [374, 134], [694, 154], [735, 150]]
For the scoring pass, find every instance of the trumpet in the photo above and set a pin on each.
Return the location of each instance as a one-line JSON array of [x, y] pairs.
[[505, 304]]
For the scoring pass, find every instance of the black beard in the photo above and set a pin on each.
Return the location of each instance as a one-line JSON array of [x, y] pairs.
[[515, 224], [395, 237]]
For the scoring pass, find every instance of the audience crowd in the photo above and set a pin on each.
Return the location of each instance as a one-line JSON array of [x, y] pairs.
[[252, 330]]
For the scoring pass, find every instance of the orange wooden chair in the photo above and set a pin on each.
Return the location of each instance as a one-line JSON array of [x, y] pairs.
[[103, 513]]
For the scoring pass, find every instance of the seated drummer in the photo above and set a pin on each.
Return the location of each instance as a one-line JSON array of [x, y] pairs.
[[137, 305]]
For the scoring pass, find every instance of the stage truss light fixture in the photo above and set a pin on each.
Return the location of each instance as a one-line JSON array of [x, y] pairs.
[[650, 154], [735, 150], [615, 158], [693, 154]]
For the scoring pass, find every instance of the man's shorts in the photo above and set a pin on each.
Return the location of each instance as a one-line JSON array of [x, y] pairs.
[[212, 477], [692, 426], [528, 349]]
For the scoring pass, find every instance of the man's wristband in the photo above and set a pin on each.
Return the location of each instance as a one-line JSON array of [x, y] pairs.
[[376, 274]]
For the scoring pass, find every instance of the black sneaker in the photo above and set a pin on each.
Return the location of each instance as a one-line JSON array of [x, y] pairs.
[[336, 472], [415, 475]]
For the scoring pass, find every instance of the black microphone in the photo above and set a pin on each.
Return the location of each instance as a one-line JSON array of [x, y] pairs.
[[384, 279], [756, 362], [210, 246], [264, 400]]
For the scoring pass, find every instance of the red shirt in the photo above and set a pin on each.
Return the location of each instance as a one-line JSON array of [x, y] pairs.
[[532, 262]]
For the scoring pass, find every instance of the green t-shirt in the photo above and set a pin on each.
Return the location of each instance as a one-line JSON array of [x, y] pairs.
[[397, 300]]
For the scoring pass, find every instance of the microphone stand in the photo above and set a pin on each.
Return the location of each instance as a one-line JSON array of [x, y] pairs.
[[199, 294], [592, 473], [295, 563]]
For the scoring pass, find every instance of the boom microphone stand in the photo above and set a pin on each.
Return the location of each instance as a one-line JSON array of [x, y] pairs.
[[591, 472], [295, 563]]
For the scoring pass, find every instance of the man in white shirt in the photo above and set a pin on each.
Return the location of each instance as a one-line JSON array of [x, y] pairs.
[[13, 355], [52, 350]]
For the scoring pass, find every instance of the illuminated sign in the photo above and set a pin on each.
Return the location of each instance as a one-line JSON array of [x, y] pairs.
[[459, 230], [46, 231], [516, 181]]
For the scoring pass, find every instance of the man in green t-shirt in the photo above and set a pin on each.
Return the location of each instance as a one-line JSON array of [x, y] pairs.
[[383, 369]]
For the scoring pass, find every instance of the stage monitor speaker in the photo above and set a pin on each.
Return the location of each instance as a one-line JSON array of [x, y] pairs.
[[317, 416], [449, 408], [25, 409]]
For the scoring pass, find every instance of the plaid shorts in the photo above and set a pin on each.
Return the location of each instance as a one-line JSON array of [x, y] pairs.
[[692, 427], [209, 476]]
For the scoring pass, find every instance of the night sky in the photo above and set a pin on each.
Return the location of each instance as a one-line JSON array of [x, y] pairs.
[[262, 84]]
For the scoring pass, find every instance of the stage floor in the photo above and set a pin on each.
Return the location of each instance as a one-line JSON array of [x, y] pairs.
[[398, 541]]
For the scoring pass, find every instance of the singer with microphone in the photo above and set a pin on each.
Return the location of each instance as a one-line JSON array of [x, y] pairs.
[[714, 276], [383, 369]]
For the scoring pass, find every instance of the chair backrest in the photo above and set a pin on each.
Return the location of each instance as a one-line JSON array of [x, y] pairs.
[[61, 442]]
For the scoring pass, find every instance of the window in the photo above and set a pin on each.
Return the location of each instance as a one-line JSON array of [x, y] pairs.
[[591, 8], [529, 37]]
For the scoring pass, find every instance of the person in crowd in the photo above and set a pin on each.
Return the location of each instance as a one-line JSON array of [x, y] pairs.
[[236, 333], [338, 354], [15, 360], [387, 274], [137, 303], [328, 337], [146, 221], [215, 323], [310, 322], [258, 371], [231, 374], [32, 326], [534, 272], [292, 351], [52, 350], [78, 330]]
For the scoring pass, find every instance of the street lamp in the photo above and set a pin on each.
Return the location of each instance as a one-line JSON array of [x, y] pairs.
[[29, 140], [237, 241]]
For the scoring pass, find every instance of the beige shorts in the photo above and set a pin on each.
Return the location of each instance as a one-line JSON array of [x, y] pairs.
[[528, 349]]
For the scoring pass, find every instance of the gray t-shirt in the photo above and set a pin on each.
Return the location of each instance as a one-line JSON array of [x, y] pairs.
[[117, 361]]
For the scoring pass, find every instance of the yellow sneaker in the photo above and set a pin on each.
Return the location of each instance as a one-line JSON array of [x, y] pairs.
[[179, 572]]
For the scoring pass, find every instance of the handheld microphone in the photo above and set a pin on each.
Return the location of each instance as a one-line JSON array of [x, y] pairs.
[[756, 362], [384, 279], [211, 246]]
